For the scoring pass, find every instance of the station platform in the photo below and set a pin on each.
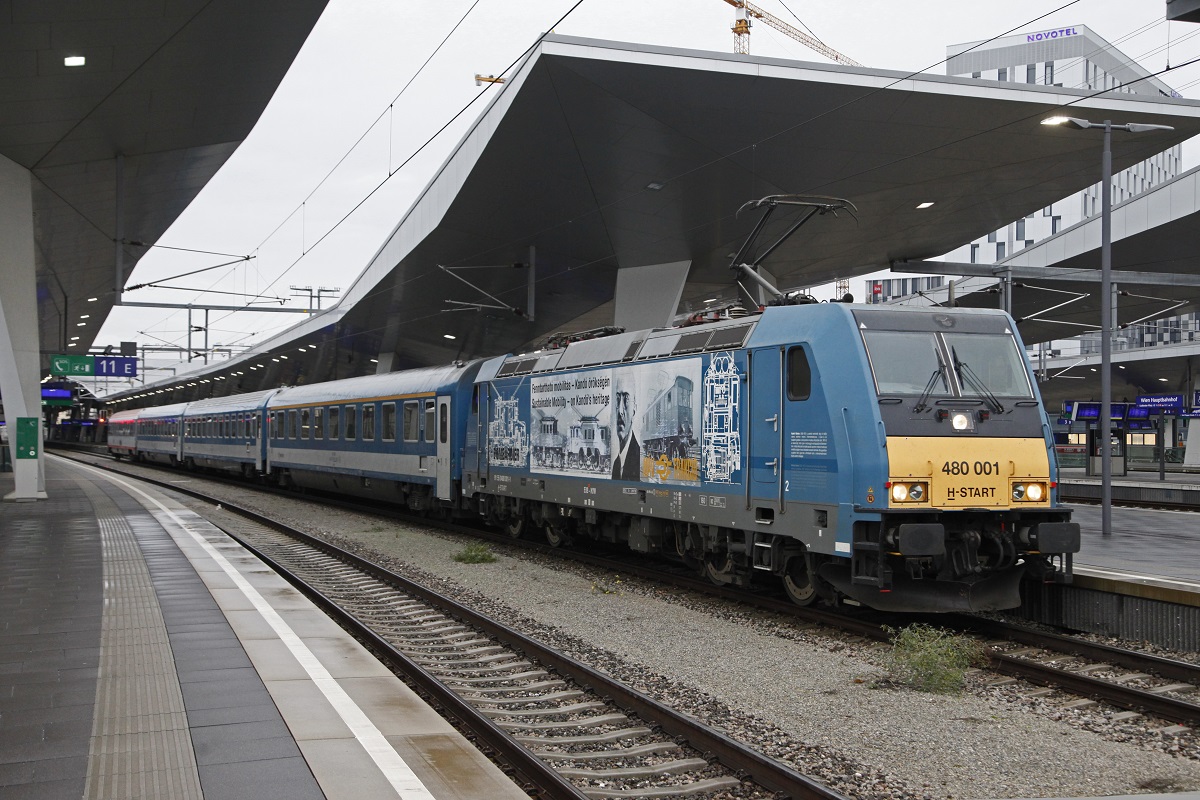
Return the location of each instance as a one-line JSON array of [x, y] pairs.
[[1178, 487], [144, 654]]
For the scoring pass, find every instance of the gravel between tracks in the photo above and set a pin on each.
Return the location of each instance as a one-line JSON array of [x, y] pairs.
[[806, 698]]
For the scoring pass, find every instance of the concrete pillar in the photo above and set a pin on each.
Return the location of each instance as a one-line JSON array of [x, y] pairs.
[[648, 297], [20, 361]]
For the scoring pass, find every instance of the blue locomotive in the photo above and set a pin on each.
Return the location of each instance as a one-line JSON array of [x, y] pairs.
[[895, 457]]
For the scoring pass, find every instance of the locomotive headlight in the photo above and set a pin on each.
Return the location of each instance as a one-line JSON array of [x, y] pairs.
[[961, 421], [908, 492], [1029, 492]]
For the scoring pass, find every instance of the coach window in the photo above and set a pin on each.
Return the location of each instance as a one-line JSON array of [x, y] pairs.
[[389, 422], [293, 424], [335, 418], [305, 422], [273, 420], [430, 418], [351, 418], [445, 423], [318, 423], [412, 421], [368, 426], [799, 377]]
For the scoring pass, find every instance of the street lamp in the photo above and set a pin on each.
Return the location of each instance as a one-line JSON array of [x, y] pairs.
[[1106, 298]]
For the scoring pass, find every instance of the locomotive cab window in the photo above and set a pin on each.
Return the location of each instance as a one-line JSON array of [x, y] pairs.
[[988, 363], [799, 375], [907, 362]]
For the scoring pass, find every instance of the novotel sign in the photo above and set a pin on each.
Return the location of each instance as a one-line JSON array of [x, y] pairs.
[[1044, 35]]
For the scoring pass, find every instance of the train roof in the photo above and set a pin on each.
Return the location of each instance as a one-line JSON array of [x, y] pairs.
[[158, 412], [428, 380], [249, 401], [632, 346], [125, 416]]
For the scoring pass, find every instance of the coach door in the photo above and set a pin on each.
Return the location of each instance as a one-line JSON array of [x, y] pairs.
[[766, 431], [443, 448]]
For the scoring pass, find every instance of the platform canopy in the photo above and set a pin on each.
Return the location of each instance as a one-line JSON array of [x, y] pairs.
[[166, 92], [597, 157]]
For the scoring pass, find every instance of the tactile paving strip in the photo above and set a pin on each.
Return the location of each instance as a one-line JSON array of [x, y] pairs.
[[141, 746]]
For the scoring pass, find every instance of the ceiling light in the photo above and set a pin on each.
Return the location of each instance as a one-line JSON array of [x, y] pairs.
[[85, 316], [74, 61], [924, 205], [1120, 367], [654, 186], [93, 299], [283, 357], [73, 338], [449, 336], [374, 360], [1093, 369], [81, 325], [1164, 380], [303, 349], [70, 344]]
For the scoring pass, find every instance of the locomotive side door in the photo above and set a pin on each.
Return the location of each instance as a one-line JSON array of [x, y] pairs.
[[766, 426], [443, 448]]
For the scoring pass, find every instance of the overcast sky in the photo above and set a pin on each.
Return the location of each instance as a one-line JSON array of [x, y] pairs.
[[266, 202]]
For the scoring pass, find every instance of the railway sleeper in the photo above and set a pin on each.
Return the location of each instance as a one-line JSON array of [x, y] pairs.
[[677, 767], [654, 748], [574, 708]]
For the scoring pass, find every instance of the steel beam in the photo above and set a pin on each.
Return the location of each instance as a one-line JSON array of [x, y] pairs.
[[1044, 273]]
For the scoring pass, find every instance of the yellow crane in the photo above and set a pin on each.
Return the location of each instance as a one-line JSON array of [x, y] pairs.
[[748, 11]]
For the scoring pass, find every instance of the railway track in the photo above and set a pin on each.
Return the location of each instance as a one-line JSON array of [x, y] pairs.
[[1088, 672], [564, 728]]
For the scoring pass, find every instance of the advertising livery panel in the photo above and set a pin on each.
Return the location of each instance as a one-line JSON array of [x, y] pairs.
[[668, 422]]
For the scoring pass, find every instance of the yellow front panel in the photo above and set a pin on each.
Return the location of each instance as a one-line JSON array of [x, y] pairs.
[[968, 471]]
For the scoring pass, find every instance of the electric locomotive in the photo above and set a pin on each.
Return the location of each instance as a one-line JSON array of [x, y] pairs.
[[896, 457]]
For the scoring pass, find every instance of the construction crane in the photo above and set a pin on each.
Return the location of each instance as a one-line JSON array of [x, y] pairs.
[[741, 32]]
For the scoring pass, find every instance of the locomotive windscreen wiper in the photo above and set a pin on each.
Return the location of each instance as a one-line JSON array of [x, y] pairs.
[[937, 373], [967, 377]]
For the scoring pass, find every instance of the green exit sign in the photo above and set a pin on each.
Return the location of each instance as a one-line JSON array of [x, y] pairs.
[[71, 365]]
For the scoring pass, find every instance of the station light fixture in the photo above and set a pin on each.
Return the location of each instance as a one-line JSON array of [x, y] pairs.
[[80, 324], [92, 299], [449, 336], [926, 204], [71, 344], [74, 61], [85, 316]]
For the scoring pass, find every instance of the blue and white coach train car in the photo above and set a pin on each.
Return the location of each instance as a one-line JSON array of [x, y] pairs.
[[225, 433], [158, 437], [899, 458], [397, 436]]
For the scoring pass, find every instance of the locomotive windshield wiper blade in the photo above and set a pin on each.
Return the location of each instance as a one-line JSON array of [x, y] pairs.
[[967, 376], [920, 406]]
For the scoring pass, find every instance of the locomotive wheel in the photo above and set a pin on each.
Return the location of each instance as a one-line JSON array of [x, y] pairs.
[[515, 527], [798, 582], [556, 537], [719, 568]]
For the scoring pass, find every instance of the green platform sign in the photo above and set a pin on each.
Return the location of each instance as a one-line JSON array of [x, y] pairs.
[[28, 440], [71, 365]]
